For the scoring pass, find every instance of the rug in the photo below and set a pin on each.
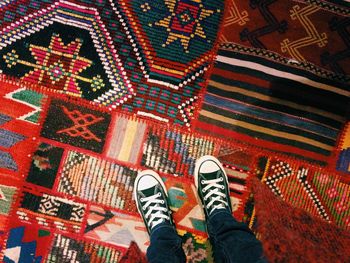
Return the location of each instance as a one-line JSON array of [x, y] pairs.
[[323, 194], [67, 173], [296, 236], [93, 91], [281, 80], [270, 88], [309, 31], [146, 57], [64, 194], [273, 104]]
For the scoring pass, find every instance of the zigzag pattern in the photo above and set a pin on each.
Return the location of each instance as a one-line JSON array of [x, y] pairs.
[[272, 24], [312, 38], [7, 140]]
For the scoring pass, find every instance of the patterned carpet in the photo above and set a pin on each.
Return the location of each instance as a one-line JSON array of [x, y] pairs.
[[93, 91]]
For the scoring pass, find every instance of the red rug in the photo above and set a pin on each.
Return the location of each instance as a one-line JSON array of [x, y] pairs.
[[64, 189], [294, 235], [94, 91]]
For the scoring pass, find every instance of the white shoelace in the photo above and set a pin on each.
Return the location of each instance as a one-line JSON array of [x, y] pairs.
[[214, 194], [156, 214]]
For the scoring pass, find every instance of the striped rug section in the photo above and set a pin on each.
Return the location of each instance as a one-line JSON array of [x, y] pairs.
[[126, 138], [273, 105]]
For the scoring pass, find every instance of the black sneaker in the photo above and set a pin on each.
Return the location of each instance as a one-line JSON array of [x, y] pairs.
[[151, 200], [212, 185]]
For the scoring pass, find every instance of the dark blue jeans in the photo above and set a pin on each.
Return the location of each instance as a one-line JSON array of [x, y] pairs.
[[232, 241]]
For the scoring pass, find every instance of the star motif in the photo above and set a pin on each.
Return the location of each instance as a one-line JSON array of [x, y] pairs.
[[59, 65], [184, 21]]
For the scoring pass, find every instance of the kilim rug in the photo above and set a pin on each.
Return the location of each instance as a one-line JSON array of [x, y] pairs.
[[146, 57], [281, 80], [67, 173], [296, 236], [93, 91]]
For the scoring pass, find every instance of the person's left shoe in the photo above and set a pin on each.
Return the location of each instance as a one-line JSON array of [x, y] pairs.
[[151, 200]]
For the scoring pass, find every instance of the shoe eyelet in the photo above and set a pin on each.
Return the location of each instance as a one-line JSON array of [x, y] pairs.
[[222, 187], [162, 201], [159, 194], [141, 199], [221, 179]]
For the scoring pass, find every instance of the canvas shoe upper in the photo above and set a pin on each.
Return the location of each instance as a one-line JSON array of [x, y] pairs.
[[151, 200], [212, 185]]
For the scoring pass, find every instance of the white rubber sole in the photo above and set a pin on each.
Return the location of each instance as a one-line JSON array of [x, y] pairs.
[[139, 176]]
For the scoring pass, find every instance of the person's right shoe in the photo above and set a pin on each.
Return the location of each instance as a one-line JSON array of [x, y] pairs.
[[212, 185]]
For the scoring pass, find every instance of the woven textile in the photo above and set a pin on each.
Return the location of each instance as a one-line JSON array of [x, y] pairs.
[[274, 105], [293, 235], [305, 31], [321, 193], [280, 80], [70, 187], [93, 91], [146, 57], [343, 163]]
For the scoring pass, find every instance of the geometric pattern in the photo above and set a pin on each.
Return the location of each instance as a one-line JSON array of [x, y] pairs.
[[273, 105], [26, 244], [80, 125], [65, 249], [282, 172], [149, 58], [16, 130], [58, 64], [118, 228], [30, 98], [51, 211], [110, 52], [7, 140], [321, 193], [97, 180], [234, 15], [313, 37], [311, 32], [77, 126], [185, 27], [273, 25], [335, 60]]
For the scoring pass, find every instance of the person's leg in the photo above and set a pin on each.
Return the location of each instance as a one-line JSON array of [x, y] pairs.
[[232, 241], [166, 246], [151, 199]]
